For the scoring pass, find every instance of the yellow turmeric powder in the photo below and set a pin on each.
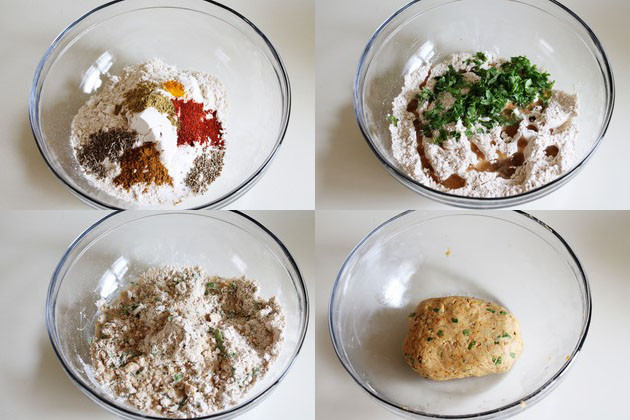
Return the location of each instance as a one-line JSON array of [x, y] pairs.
[[174, 87]]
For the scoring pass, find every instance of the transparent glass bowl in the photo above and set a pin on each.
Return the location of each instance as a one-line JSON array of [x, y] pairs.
[[190, 34], [546, 32], [112, 252], [505, 257]]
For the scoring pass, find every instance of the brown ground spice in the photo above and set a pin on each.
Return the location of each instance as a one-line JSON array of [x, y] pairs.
[[142, 165], [104, 145]]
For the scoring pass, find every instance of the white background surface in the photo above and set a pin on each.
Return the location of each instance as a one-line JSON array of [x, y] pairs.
[[33, 385], [27, 27], [595, 386], [349, 176]]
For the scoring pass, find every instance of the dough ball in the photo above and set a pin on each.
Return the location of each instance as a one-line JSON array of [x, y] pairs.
[[457, 337]]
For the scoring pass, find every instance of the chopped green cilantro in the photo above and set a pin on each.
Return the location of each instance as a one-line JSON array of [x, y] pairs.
[[218, 337], [128, 309], [392, 120], [210, 286], [466, 332], [426, 95], [517, 82]]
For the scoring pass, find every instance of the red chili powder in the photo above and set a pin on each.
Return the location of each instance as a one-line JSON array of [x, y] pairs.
[[195, 124]]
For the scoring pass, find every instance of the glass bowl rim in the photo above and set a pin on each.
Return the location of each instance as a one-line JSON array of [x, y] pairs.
[[51, 300], [530, 398], [478, 202], [35, 93]]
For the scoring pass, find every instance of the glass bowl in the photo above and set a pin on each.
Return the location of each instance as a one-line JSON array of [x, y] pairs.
[[506, 257], [545, 31], [190, 34], [113, 251]]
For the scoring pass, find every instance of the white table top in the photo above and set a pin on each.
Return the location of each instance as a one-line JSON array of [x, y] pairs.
[[349, 176], [595, 386], [32, 383], [29, 26]]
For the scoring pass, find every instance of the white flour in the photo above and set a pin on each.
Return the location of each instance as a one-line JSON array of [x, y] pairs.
[[98, 113], [553, 125], [180, 343]]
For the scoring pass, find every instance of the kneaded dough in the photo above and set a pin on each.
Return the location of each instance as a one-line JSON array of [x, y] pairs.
[[457, 337]]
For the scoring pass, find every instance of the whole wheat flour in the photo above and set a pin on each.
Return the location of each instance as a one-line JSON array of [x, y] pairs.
[[181, 343], [481, 159], [157, 106]]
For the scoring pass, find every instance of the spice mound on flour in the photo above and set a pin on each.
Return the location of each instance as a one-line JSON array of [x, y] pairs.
[[483, 126], [181, 343], [153, 135]]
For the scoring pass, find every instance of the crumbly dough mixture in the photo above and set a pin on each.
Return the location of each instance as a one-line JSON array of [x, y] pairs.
[[546, 138], [458, 337], [180, 343]]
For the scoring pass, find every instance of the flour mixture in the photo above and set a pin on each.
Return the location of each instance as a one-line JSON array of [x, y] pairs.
[[482, 126], [153, 135], [180, 343]]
